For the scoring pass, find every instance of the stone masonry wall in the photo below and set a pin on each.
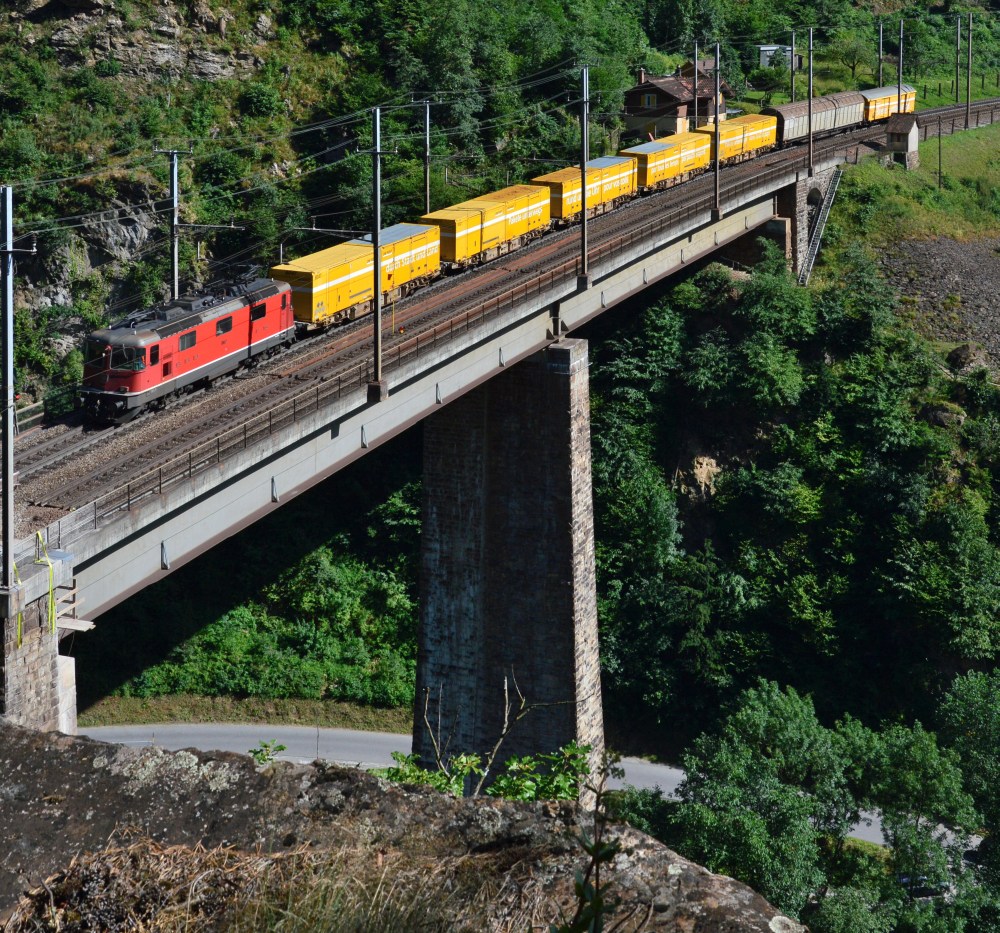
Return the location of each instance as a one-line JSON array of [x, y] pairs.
[[29, 670], [508, 586], [793, 202]]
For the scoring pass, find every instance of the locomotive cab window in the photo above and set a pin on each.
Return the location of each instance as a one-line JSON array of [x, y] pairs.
[[284, 299], [154, 354], [257, 312], [224, 326], [130, 358], [93, 353], [187, 340]]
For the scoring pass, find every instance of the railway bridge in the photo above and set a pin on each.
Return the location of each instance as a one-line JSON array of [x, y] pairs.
[[489, 361]]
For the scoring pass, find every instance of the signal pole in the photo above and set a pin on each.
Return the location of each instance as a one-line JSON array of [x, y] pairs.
[[584, 158], [7, 350]]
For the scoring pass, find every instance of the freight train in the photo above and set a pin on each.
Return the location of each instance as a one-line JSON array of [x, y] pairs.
[[143, 360]]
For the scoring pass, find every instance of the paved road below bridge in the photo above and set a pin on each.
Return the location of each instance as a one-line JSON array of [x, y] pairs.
[[366, 749]]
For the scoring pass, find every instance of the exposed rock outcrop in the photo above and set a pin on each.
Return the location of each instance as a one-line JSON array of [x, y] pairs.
[[949, 288], [62, 796], [171, 46]]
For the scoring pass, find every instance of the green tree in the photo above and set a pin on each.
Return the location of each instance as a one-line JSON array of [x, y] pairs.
[[853, 50], [758, 794], [969, 716]]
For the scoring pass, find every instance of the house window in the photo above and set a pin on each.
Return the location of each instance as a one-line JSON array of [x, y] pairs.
[[224, 326], [648, 100], [257, 312], [187, 340]]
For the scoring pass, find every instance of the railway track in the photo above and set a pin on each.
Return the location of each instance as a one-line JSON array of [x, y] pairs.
[[78, 467]]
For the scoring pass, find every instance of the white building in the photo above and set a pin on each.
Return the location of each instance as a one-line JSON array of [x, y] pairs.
[[767, 53]]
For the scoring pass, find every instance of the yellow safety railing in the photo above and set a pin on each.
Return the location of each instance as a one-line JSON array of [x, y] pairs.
[[45, 559], [20, 614]]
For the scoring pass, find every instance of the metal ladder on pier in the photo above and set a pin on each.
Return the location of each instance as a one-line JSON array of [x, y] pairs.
[[817, 234]]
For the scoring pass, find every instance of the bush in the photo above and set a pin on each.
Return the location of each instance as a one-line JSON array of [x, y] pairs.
[[260, 100], [108, 67]]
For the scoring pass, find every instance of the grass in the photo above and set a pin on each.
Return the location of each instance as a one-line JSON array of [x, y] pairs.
[[115, 711], [882, 205]]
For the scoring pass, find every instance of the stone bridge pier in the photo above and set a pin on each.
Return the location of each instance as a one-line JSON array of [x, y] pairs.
[[508, 598], [801, 203]]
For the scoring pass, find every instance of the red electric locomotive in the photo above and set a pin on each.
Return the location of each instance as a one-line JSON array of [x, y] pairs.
[[179, 345]]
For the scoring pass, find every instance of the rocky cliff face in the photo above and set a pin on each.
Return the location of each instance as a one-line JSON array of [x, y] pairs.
[[497, 864], [147, 50], [169, 45]]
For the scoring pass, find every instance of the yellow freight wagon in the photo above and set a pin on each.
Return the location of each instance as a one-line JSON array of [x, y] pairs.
[[608, 178], [564, 190], [328, 283], [526, 208], [466, 230], [618, 178], [668, 158], [411, 253], [336, 284], [882, 102], [743, 137]]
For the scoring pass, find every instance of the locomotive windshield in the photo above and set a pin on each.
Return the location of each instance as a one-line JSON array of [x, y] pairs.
[[133, 358]]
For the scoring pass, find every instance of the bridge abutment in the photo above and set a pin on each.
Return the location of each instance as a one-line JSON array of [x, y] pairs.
[[37, 684], [508, 596], [800, 203]]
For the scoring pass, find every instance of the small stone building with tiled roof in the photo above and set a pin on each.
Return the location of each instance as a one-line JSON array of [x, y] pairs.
[[902, 138], [659, 105]]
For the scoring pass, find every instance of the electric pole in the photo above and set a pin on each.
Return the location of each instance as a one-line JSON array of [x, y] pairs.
[[7, 195], [427, 156], [718, 135], [968, 78], [940, 169], [810, 107], [175, 226], [791, 67], [377, 250], [584, 158], [880, 53], [899, 72], [958, 53], [7, 349], [695, 86]]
